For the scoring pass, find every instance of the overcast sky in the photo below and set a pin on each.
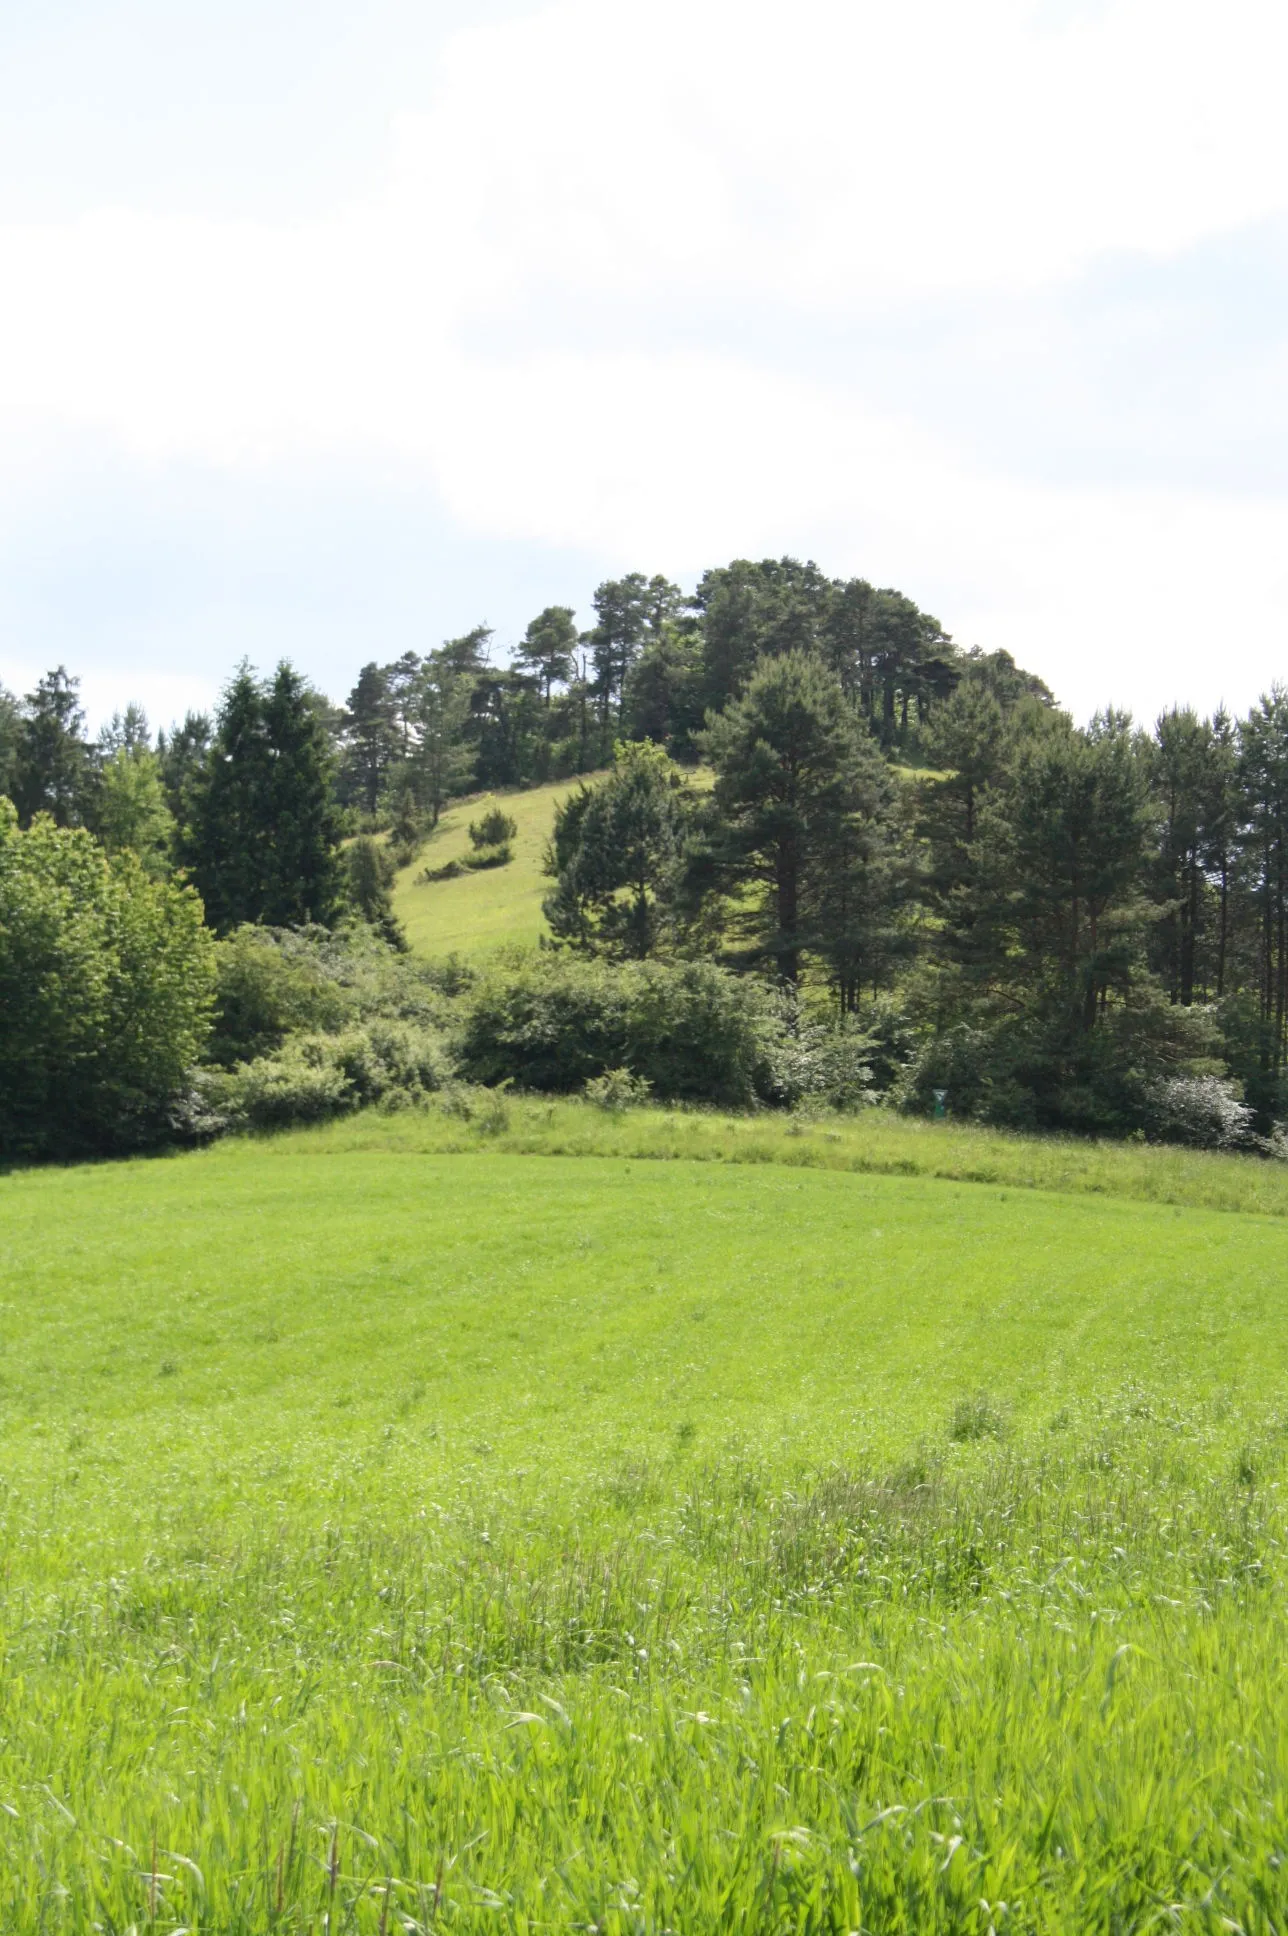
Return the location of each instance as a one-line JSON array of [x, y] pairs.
[[329, 331]]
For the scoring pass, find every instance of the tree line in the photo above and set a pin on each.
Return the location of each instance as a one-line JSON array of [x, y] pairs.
[[811, 783]]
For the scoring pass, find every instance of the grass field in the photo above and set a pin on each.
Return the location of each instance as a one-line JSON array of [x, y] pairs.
[[406, 1526], [478, 912]]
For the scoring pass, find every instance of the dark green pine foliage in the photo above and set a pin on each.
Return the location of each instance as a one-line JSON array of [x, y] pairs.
[[304, 884], [547, 648], [262, 843], [53, 767], [1263, 774], [749, 610], [369, 876], [370, 736], [630, 614], [797, 779]]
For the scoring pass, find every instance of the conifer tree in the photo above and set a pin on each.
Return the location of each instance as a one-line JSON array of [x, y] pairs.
[[263, 838]]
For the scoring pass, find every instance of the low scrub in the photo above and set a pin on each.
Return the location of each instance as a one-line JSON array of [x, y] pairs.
[[316, 1076], [496, 854], [691, 1031]]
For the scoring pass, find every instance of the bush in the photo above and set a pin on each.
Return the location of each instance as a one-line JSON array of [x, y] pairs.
[[1205, 1112], [1041, 1072], [106, 985], [554, 1022], [491, 856], [828, 1067], [265, 990], [616, 1090], [494, 829], [316, 1076], [275, 982]]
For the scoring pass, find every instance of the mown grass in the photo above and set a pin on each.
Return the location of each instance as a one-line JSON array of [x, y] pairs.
[[393, 1538], [499, 906]]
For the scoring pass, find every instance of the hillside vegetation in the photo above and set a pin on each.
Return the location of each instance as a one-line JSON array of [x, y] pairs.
[[475, 913], [398, 1531]]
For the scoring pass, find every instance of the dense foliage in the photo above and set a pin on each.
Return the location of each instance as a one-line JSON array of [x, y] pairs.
[[892, 842], [106, 985]]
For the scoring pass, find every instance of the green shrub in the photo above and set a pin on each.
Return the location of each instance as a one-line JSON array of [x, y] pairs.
[[316, 1076], [554, 1022], [617, 1089], [276, 982], [266, 990], [106, 984], [496, 855], [494, 829], [828, 1067]]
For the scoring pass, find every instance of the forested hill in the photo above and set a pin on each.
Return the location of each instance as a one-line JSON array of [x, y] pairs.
[[904, 871]]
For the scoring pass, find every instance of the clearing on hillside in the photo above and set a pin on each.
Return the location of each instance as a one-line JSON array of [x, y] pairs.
[[393, 1538], [477, 912]]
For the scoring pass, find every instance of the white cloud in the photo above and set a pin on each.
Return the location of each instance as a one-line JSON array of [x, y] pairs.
[[591, 177]]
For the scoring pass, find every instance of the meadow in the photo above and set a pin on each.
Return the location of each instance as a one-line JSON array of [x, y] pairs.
[[513, 1516]]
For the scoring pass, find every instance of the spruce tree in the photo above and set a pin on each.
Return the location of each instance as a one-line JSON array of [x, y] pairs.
[[263, 837]]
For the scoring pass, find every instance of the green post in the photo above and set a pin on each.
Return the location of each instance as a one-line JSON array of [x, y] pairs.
[[941, 1097]]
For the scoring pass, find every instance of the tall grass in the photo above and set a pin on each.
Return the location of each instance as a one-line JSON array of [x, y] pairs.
[[875, 1142], [1041, 1691], [399, 1541]]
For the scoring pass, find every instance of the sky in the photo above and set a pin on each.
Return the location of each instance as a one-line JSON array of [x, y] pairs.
[[328, 332]]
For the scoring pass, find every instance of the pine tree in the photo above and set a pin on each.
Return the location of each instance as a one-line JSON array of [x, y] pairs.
[[370, 738], [795, 775], [547, 648]]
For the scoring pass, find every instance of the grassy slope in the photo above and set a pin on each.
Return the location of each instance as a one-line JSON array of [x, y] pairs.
[[611, 1541], [478, 912]]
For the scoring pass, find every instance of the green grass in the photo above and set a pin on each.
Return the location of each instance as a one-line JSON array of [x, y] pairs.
[[399, 1530], [479, 912]]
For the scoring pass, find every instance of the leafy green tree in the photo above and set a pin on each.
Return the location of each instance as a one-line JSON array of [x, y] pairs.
[[106, 986], [304, 881], [263, 838], [614, 852], [966, 741], [858, 899], [795, 774], [126, 732], [131, 812], [54, 767], [1192, 767], [1009, 683], [402, 683]]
